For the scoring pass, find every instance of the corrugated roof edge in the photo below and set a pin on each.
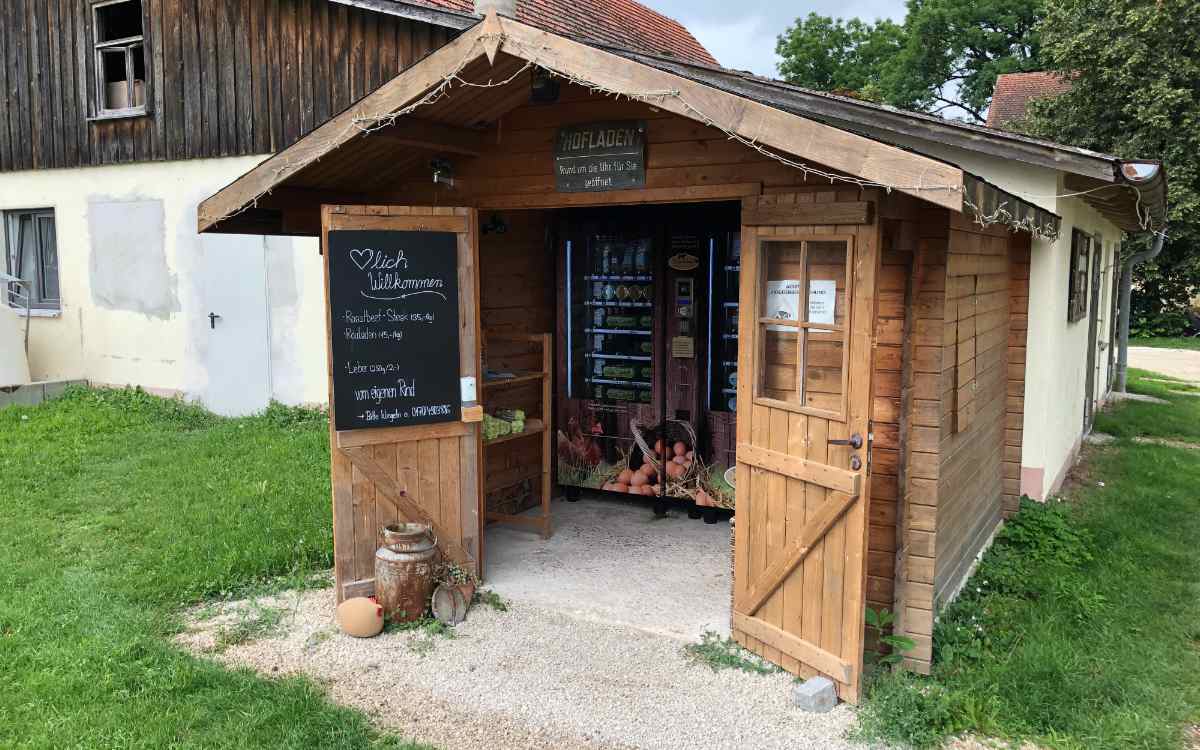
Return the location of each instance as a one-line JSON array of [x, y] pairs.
[[847, 113], [698, 72]]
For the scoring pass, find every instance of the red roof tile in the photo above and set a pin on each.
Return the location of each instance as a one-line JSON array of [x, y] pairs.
[[621, 23], [1014, 91]]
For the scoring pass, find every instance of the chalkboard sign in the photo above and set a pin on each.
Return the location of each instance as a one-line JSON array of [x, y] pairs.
[[600, 156], [393, 305]]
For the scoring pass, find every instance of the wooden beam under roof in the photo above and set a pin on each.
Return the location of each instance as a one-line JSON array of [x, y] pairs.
[[434, 136]]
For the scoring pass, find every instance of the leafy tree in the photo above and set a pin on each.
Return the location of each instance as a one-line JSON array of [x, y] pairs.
[[945, 56], [841, 56], [1135, 69]]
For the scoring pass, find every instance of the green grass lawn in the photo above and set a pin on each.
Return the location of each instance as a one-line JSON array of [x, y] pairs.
[[1177, 342], [1081, 627], [119, 510]]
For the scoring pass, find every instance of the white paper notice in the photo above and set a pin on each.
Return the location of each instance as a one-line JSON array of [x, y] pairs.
[[783, 302], [822, 301]]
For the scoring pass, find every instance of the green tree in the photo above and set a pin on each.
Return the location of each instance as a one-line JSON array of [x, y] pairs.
[[843, 56], [945, 56], [1135, 69]]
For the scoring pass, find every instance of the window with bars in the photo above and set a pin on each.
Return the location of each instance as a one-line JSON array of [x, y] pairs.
[[1077, 292], [32, 257], [802, 323], [120, 58]]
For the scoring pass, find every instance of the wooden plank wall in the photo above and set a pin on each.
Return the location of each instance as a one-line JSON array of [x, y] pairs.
[[919, 232], [227, 77], [958, 407], [898, 251], [970, 482], [1020, 246], [517, 295]]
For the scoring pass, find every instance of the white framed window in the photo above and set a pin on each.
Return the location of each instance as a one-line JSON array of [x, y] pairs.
[[120, 46], [32, 256]]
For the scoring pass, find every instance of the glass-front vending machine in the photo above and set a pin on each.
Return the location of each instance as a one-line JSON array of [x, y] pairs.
[[647, 351]]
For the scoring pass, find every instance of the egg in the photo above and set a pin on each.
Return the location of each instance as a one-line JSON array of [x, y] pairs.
[[619, 487], [624, 476], [674, 471], [657, 489], [638, 480], [650, 474], [680, 448], [648, 490], [635, 490], [607, 486], [680, 460], [690, 455], [360, 617]]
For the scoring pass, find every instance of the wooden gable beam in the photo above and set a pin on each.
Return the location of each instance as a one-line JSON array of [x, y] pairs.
[[434, 136], [925, 178]]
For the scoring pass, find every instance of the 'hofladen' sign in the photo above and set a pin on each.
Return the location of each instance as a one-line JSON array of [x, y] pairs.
[[600, 156]]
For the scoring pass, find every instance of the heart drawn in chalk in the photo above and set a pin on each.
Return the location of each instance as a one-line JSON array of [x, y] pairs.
[[362, 257]]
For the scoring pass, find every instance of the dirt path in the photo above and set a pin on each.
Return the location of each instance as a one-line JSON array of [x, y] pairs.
[[1176, 363]]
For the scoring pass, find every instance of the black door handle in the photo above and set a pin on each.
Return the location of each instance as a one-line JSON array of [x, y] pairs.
[[855, 441]]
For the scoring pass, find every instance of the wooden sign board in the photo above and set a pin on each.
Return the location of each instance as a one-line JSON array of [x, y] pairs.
[[393, 306], [600, 156]]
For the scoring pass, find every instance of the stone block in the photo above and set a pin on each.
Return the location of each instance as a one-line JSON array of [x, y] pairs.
[[816, 695]]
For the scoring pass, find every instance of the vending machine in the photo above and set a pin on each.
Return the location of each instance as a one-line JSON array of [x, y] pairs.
[[648, 352]]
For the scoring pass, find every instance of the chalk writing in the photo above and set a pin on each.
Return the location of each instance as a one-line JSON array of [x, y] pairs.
[[393, 300]]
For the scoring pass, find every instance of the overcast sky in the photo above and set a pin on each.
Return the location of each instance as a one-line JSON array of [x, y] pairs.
[[741, 33]]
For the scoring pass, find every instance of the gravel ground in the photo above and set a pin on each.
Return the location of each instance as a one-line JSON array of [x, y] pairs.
[[530, 677]]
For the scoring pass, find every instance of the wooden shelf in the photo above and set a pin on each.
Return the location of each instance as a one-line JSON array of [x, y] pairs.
[[518, 377], [513, 436], [539, 472]]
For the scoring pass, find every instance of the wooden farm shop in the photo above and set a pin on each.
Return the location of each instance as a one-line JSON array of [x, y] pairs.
[[561, 275]]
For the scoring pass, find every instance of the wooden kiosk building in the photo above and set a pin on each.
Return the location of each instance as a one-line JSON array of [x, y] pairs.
[[875, 449]]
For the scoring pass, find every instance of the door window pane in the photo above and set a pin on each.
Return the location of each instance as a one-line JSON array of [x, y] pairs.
[[802, 322]]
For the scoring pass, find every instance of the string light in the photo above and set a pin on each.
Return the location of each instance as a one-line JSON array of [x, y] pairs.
[[366, 124]]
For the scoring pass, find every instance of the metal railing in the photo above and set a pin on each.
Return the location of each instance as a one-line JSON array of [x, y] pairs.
[[16, 290]]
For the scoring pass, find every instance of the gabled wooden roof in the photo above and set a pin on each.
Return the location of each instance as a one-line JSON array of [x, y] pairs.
[[499, 48]]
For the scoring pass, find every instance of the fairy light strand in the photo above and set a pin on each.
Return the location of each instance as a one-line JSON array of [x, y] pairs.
[[366, 124]]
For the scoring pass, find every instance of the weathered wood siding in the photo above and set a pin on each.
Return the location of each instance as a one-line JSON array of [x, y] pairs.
[[226, 77]]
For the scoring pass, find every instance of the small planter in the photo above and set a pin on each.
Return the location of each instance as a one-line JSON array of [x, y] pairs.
[[451, 601]]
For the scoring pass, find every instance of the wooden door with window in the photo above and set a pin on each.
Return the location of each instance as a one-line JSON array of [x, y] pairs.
[[807, 311], [424, 473]]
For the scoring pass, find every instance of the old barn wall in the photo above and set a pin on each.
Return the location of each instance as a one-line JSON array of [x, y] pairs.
[[227, 77]]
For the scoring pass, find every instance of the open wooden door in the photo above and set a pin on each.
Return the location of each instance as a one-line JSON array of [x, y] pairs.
[[404, 357], [807, 312]]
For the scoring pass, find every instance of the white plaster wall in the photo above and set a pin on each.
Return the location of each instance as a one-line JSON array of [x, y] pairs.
[[1056, 353], [162, 349], [1056, 366]]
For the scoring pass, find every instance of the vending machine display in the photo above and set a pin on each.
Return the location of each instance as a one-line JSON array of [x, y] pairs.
[[644, 324]]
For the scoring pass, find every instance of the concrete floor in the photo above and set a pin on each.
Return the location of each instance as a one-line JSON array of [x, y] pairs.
[[613, 561]]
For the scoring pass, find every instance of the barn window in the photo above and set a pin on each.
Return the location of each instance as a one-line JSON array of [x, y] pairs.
[[32, 257], [802, 323], [1081, 248], [120, 58]]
